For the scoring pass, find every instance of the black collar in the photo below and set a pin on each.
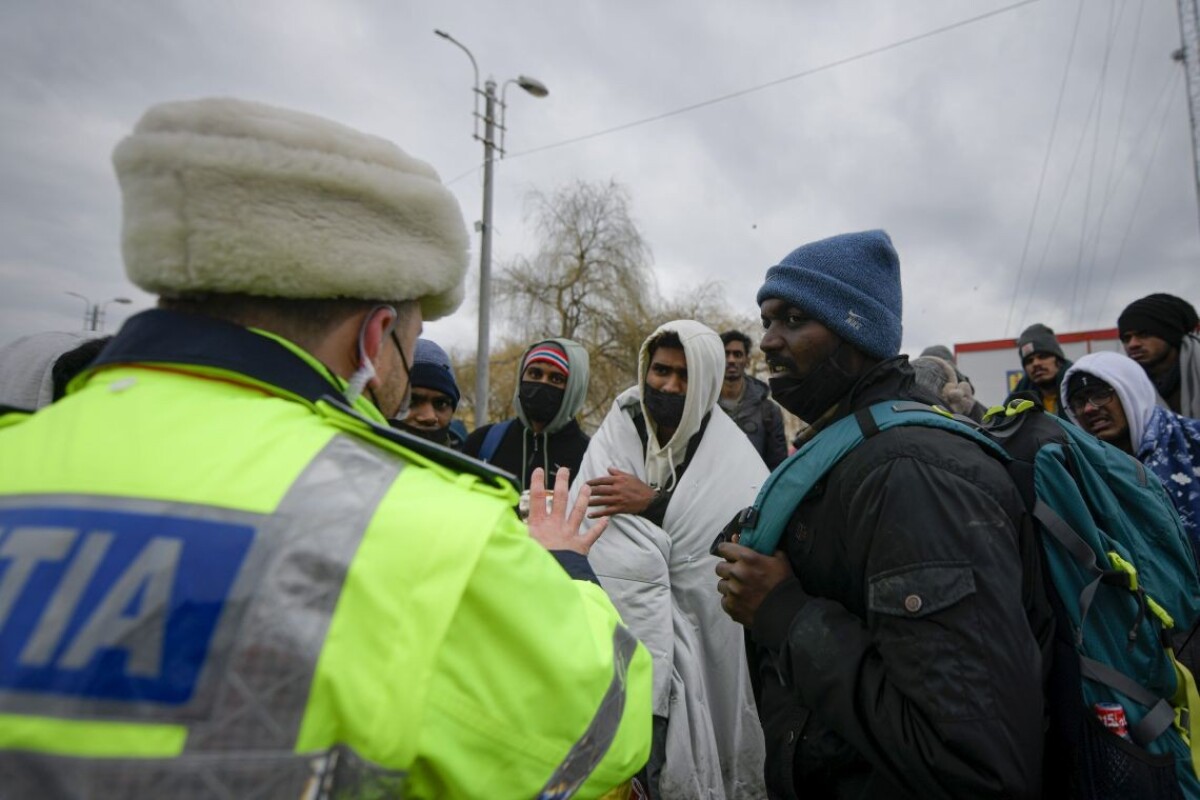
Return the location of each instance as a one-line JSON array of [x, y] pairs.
[[159, 336]]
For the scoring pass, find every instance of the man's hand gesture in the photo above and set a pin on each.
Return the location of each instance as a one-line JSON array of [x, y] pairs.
[[554, 529]]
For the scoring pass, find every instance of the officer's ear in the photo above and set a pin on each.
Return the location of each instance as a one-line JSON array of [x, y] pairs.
[[373, 337]]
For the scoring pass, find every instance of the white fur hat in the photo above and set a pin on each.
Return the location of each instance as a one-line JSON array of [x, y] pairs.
[[228, 196]]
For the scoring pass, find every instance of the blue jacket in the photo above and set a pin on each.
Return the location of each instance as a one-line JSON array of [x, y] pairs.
[[1170, 448]]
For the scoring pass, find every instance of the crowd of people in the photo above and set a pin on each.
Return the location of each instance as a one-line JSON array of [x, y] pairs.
[[247, 548]]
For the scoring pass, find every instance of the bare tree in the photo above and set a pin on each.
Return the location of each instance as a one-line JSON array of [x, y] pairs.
[[589, 280], [592, 264]]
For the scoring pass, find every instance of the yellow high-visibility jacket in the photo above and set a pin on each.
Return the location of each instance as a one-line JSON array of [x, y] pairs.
[[216, 579]]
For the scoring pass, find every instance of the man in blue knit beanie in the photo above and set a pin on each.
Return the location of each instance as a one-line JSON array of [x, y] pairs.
[[895, 651], [435, 397]]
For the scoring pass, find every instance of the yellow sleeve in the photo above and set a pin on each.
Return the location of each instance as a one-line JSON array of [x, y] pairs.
[[532, 661]]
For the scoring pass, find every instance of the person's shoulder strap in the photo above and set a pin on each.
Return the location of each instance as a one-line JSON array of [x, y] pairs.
[[492, 440], [761, 525]]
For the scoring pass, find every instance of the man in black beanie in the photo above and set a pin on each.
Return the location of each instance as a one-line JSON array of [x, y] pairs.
[[1159, 332], [1044, 363]]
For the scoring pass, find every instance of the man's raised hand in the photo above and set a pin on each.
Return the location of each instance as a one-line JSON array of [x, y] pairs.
[[555, 529]]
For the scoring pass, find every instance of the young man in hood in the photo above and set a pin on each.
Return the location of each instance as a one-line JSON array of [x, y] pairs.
[[435, 397], [1044, 363], [747, 400], [1111, 397], [1159, 333], [552, 384], [665, 467], [892, 646]]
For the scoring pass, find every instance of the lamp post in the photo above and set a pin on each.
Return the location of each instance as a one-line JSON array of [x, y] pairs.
[[93, 313], [490, 148]]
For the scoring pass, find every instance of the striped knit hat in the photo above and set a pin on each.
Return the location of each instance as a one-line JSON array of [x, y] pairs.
[[549, 353]]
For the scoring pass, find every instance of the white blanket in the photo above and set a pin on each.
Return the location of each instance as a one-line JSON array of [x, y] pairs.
[[662, 582]]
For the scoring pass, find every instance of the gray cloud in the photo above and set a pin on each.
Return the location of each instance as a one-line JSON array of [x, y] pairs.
[[941, 141]]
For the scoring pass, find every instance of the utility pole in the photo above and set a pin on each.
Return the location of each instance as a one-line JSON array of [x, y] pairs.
[[1189, 57], [538, 89], [93, 313], [482, 345]]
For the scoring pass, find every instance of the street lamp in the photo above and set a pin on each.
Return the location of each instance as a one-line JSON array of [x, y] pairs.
[[93, 313], [490, 148]]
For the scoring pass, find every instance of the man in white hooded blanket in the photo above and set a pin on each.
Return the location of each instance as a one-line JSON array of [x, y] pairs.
[[670, 469]]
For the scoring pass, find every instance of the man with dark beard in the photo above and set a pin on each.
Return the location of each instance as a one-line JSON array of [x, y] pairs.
[[893, 639], [551, 389], [435, 397]]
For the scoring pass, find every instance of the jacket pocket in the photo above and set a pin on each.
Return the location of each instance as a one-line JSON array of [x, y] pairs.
[[920, 591], [924, 622]]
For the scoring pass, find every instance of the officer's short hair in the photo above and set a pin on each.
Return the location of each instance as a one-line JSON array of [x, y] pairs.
[[304, 321]]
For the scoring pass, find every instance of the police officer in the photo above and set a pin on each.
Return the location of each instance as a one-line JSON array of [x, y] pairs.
[[222, 574]]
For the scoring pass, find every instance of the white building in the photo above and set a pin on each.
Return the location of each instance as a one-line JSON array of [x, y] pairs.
[[995, 369]]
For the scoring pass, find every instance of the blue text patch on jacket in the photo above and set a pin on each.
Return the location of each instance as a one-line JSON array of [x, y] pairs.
[[118, 605]]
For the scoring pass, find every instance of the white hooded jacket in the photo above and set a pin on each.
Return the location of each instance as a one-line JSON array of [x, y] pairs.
[[662, 579]]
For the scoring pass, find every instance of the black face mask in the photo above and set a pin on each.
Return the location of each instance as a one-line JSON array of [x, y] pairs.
[[665, 409], [812, 395], [540, 401]]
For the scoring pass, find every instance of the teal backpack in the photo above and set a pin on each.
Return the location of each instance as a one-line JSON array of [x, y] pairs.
[[1121, 567]]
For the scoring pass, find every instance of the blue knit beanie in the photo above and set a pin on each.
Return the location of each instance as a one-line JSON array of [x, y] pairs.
[[431, 370], [850, 284]]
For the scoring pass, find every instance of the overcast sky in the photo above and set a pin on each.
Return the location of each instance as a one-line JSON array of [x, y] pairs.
[[940, 141]]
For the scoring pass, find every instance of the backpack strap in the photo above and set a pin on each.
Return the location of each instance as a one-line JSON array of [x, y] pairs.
[[1158, 719], [866, 422], [491, 441], [761, 525]]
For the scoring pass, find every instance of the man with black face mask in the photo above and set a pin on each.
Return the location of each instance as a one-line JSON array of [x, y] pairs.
[[551, 389], [666, 465], [896, 638], [435, 397]]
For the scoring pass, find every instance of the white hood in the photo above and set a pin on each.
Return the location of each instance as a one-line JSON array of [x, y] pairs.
[[706, 369], [1134, 389]]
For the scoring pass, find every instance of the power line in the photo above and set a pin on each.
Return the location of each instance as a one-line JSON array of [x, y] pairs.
[[1141, 190], [458, 178], [1110, 187], [1087, 122], [1114, 20], [1037, 198], [806, 73]]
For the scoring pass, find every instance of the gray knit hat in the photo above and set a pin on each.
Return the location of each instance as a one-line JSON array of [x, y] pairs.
[[1037, 338], [938, 351]]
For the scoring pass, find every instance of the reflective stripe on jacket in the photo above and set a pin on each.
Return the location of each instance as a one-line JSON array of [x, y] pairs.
[[213, 584]]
